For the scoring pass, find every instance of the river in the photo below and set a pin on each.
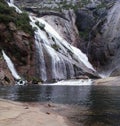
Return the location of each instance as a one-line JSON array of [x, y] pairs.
[[82, 105]]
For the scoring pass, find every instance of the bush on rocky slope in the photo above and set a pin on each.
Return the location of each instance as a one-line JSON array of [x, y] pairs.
[[8, 14], [17, 40]]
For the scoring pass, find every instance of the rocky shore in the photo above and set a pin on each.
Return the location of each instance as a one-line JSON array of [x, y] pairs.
[[110, 81], [23, 114]]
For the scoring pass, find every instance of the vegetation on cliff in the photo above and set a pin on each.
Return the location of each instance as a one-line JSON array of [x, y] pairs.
[[17, 40], [8, 14]]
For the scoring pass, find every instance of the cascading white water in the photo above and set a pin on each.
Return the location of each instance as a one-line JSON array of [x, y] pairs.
[[12, 1], [62, 56], [19, 80], [72, 83], [11, 4], [11, 66], [49, 38], [77, 54], [41, 61]]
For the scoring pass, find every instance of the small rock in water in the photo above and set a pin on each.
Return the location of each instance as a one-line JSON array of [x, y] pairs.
[[21, 82]]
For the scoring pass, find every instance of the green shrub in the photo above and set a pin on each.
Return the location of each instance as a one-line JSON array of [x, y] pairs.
[[8, 14], [6, 19], [2, 1], [36, 80], [5, 9], [22, 23]]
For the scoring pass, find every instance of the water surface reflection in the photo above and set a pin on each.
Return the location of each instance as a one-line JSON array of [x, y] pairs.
[[86, 105], [105, 106]]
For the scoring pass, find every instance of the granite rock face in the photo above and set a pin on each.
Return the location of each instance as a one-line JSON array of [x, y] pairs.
[[106, 41]]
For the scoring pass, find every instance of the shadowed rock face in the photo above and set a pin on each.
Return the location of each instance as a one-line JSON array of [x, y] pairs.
[[106, 41]]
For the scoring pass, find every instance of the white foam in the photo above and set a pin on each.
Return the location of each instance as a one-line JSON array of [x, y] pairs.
[[79, 82]]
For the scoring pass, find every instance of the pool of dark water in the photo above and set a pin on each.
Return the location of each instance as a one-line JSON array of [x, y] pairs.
[[88, 105]]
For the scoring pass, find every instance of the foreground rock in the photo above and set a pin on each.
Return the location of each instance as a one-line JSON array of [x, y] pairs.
[[110, 81], [22, 114]]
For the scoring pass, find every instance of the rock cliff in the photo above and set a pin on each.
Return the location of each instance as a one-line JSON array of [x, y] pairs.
[[105, 40], [92, 36], [84, 24], [17, 40]]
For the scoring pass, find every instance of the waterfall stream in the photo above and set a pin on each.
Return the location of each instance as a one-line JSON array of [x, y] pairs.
[[12, 1], [60, 52], [11, 66], [56, 58], [11, 4], [19, 80]]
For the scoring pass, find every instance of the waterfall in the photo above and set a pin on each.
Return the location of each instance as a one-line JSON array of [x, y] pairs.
[[12, 1], [63, 55], [56, 58], [11, 4], [41, 61], [11, 66], [77, 54], [19, 80]]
